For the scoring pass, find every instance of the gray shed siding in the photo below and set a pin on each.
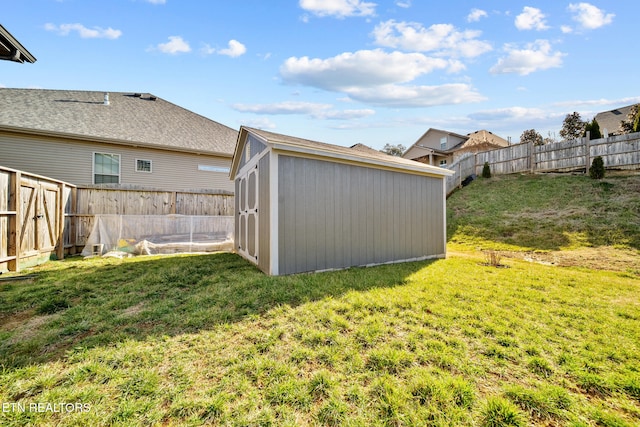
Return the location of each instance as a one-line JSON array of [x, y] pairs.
[[333, 215], [72, 161], [264, 227]]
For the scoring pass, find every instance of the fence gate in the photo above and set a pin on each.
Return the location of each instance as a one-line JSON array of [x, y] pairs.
[[39, 220]]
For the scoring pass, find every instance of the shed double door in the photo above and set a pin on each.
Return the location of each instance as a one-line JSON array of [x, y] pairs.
[[38, 217], [248, 213]]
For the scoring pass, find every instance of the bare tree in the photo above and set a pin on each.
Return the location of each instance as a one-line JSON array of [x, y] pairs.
[[394, 150], [531, 136]]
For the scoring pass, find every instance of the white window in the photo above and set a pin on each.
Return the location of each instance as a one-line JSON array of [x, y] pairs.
[[106, 168], [209, 168], [443, 162], [443, 143], [143, 165]]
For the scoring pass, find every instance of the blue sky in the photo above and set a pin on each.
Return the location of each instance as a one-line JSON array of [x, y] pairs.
[[341, 71]]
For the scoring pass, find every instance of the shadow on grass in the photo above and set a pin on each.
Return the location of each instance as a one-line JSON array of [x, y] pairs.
[[87, 303]]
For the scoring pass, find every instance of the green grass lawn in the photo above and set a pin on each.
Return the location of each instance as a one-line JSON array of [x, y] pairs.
[[208, 339]]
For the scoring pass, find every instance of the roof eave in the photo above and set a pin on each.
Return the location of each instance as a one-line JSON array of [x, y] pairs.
[[22, 54], [90, 138], [420, 168]]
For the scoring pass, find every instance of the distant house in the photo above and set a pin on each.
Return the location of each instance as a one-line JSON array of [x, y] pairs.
[[113, 139], [12, 50], [441, 148], [609, 121], [306, 206]]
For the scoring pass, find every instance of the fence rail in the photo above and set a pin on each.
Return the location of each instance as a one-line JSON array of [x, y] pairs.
[[617, 152]]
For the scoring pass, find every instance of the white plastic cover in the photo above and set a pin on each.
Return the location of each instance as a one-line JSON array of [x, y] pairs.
[[159, 234]]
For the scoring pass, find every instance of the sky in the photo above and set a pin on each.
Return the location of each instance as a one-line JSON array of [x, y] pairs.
[[374, 72]]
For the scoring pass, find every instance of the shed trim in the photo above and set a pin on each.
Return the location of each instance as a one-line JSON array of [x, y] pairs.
[[275, 232], [418, 169]]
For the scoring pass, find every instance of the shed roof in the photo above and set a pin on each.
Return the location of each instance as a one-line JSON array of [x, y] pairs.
[[357, 154], [12, 50], [128, 118]]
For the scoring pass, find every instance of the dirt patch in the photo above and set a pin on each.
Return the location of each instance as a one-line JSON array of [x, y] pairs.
[[133, 310], [599, 258], [26, 327]]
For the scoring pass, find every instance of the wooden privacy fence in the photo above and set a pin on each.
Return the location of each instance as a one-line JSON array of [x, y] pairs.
[[91, 201], [617, 152], [33, 221], [41, 217]]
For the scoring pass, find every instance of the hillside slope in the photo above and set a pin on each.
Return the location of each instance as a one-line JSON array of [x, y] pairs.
[[564, 219]]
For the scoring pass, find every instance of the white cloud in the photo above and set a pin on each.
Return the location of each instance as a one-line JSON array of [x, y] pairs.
[[376, 77], [345, 114], [476, 14], [174, 46], [234, 50], [259, 123], [287, 107], [315, 110], [338, 8], [534, 57], [598, 102], [157, 1], [399, 96], [443, 39], [84, 32], [364, 68], [566, 29], [531, 18], [589, 16], [511, 113], [404, 4]]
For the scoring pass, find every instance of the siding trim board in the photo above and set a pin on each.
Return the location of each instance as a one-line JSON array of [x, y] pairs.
[[323, 210]]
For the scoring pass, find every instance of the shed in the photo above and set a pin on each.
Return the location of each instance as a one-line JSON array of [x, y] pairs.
[[304, 206]]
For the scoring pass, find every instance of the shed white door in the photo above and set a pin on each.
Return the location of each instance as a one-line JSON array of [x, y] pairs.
[[248, 214]]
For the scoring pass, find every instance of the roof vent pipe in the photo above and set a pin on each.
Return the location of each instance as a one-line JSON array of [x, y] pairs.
[[106, 98]]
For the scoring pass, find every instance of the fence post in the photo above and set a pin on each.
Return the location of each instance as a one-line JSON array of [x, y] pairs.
[[587, 152], [15, 205], [532, 165], [61, 221]]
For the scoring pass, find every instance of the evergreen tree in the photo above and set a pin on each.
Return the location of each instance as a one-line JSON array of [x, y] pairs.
[[486, 170], [594, 128]]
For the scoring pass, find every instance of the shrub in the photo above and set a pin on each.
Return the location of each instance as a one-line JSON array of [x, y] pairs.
[[596, 171], [486, 170]]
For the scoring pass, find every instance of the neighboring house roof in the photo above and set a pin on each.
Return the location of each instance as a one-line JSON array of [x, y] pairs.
[[115, 117], [358, 154], [610, 120], [12, 50], [481, 139]]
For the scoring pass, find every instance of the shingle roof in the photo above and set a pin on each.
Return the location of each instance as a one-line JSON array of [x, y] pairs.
[[358, 152], [143, 120], [610, 120]]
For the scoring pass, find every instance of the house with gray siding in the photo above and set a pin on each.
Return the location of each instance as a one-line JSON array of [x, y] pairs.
[[304, 206], [116, 139], [441, 147]]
